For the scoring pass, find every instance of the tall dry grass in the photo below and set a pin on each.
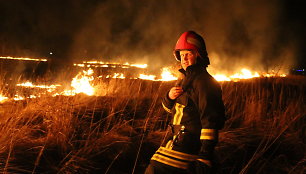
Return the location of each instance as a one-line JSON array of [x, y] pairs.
[[266, 128], [119, 131], [78, 134]]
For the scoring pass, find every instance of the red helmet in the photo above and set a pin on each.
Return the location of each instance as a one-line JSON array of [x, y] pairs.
[[190, 40]]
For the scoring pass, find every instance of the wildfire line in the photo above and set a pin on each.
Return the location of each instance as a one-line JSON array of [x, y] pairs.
[[24, 58]]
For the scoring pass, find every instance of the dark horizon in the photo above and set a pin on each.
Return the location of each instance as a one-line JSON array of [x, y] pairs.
[[263, 35]]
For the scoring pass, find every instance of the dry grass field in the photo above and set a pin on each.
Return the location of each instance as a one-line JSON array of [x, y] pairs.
[[119, 130]]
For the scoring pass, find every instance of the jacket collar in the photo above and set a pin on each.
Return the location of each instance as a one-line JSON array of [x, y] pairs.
[[192, 69], [191, 72]]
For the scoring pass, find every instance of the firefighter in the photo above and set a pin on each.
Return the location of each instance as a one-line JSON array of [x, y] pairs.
[[198, 113]]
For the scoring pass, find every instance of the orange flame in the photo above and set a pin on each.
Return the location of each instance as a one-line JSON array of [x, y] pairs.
[[17, 97], [221, 77], [147, 77], [31, 85], [3, 98], [109, 64], [167, 75], [81, 84], [23, 58], [245, 74]]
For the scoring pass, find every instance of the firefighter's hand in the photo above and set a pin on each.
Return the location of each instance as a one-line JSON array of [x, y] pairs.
[[175, 92]]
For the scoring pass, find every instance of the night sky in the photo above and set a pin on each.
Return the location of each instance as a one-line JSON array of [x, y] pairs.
[[262, 35]]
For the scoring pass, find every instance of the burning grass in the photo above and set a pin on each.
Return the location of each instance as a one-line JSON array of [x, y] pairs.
[[118, 131]]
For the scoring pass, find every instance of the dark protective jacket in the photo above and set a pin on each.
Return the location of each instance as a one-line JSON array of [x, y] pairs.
[[198, 114]]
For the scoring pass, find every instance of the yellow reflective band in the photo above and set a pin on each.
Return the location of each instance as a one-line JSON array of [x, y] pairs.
[[208, 130], [167, 109], [207, 162], [207, 137], [209, 134], [178, 113], [169, 144], [176, 154], [169, 161]]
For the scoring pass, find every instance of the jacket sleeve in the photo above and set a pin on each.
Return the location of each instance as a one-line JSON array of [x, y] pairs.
[[167, 103], [212, 114], [210, 105]]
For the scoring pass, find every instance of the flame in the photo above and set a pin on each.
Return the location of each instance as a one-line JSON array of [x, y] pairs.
[[115, 76], [81, 84], [167, 75], [139, 65], [147, 77], [221, 77], [31, 85], [26, 84], [17, 97], [118, 76], [3, 98], [109, 64], [50, 88], [24, 58], [273, 74], [243, 74]]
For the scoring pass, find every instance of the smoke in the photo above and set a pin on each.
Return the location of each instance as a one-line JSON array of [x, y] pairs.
[[238, 33], [244, 34]]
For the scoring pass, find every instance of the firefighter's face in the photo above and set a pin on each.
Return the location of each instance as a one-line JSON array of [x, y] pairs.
[[188, 57]]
